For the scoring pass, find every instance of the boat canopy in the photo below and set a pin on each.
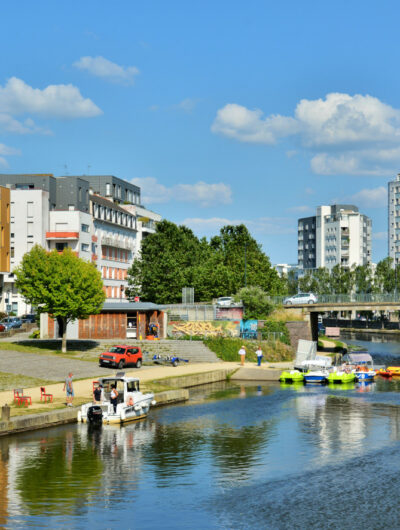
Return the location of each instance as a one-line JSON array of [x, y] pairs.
[[357, 358], [317, 362]]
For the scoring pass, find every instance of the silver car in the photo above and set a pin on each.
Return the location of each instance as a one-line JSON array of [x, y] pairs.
[[301, 298], [225, 301]]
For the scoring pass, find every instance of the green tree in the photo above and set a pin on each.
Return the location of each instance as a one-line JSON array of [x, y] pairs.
[[292, 282], [384, 277], [341, 280], [308, 283], [63, 285], [256, 302], [363, 278]]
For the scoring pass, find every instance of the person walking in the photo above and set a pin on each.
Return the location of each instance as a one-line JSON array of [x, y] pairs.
[[242, 353], [259, 354], [68, 387]]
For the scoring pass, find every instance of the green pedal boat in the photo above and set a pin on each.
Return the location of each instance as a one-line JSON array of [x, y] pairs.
[[291, 376], [341, 377]]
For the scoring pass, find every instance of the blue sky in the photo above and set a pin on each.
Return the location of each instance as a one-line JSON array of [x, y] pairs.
[[223, 112]]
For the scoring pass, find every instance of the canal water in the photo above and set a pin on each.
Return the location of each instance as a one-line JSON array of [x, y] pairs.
[[236, 456]]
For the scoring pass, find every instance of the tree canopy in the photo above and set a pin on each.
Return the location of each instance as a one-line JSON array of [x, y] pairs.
[[173, 258], [63, 285]]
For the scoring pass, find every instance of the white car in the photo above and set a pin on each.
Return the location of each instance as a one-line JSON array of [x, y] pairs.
[[224, 301], [301, 298]]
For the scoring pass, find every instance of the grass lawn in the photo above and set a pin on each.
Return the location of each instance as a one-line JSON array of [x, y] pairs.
[[10, 381]]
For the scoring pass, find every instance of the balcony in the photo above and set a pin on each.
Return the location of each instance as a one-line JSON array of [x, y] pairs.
[[62, 235]]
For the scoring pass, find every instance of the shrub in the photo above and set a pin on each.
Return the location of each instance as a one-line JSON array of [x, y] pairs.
[[227, 349]]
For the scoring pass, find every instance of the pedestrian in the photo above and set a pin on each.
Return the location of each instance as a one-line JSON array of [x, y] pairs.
[[114, 397], [259, 354], [69, 389], [242, 353], [98, 394]]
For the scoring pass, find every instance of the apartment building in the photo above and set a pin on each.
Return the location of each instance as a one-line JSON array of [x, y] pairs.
[[69, 211], [4, 230], [394, 219], [337, 235]]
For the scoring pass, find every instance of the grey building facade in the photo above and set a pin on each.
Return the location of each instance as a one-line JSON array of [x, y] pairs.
[[306, 241], [394, 220]]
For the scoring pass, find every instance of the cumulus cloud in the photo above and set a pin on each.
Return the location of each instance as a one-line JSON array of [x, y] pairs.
[[5, 150], [201, 192], [357, 135], [368, 198], [261, 225], [54, 101], [300, 209], [102, 67]]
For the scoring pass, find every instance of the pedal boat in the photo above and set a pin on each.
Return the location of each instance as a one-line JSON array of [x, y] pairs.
[[364, 375], [132, 404], [384, 373], [341, 377], [292, 376], [317, 372], [395, 370]]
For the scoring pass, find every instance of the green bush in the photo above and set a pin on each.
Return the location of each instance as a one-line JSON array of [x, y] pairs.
[[35, 334], [227, 349], [273, 326]]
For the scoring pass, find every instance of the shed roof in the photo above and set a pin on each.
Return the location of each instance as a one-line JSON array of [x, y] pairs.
[[131, 306]]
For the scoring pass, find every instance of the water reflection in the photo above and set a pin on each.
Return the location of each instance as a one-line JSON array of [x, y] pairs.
[[169, 469]]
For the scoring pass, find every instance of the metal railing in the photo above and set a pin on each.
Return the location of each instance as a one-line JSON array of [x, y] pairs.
[[346, 298]]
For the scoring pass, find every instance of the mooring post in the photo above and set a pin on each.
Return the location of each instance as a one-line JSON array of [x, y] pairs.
[[5, 412]]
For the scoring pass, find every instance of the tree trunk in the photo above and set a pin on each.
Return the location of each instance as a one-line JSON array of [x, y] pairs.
[[63, 322]]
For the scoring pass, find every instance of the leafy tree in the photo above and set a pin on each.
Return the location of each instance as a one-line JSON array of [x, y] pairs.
[[341, 280], [173, 258], [292, 282], [308, 283], [63, 285], [256, 302], [384, 278], [363, 278]]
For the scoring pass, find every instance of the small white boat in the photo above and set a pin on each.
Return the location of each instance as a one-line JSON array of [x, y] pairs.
[[317, 370], [131, 404]]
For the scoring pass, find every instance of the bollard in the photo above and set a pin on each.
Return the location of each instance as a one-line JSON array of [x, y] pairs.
[[5, 412]]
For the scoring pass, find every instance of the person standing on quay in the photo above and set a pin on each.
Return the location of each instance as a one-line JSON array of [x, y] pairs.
[[259, 354], [69, 389], [242, 353]]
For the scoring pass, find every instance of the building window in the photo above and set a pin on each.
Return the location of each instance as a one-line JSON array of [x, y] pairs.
[[60, 246], [85, 228], [29, 229], [85, 247], [29, 209], [108, 189], [12, 250]]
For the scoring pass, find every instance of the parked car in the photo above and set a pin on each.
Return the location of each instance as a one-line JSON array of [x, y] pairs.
[[2, 327], [29, 319], [11, 323], [301, 298], [224, 301], [121, 356]]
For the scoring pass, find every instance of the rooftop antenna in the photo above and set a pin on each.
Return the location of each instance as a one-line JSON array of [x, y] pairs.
[[88, 169], [66, 169]]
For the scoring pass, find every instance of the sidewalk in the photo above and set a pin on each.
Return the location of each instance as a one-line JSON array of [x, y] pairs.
[[83, 388]]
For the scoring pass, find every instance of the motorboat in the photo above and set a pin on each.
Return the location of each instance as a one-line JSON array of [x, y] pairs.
[[341, 376], [361, 364], [317, 370], [291, 376], [131, 403]]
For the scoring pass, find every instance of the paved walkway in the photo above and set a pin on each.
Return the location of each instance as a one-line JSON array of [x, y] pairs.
[[83, 388]]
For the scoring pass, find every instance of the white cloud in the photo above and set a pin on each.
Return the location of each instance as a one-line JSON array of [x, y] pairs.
[[262, 225], [28, 126], [357, 135], [201, 192], [187, 105], [300, 209], [368, 198], [5, 150], [54, 101], [379, 236], [102, 67]]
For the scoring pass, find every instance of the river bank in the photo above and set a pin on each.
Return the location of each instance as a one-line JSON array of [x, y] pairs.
[[171, 383]]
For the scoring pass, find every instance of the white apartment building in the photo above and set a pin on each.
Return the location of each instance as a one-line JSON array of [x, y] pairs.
[[394, 219], [146, 222], [337, 235]]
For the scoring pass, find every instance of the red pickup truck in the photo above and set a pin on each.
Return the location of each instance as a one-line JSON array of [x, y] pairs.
[[122, 356]]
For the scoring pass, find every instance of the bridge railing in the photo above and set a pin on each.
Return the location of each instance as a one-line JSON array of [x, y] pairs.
[[347, 298]]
